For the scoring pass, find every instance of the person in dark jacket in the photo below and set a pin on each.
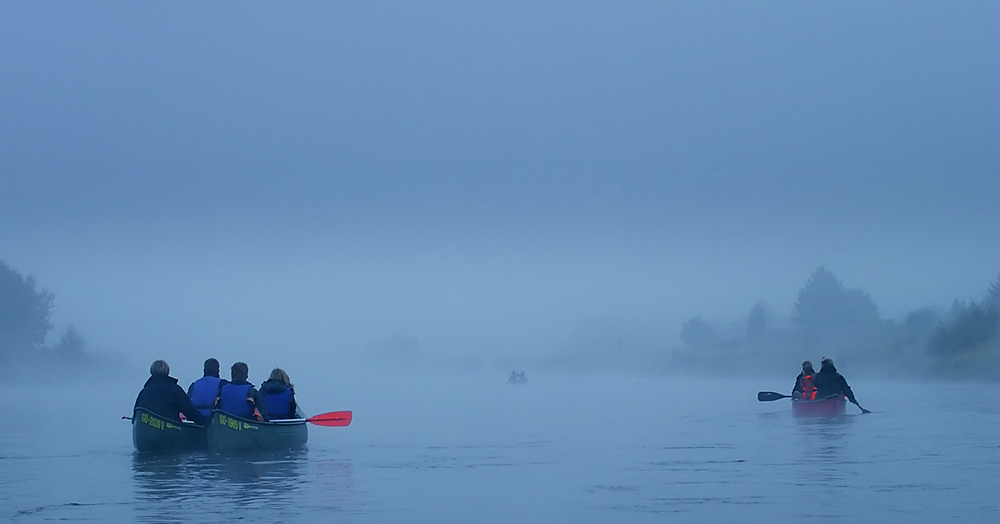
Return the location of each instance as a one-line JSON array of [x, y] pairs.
[[829, 382], [804, 387], [279, 395], [163, 396], [204, 392], [239, 397]]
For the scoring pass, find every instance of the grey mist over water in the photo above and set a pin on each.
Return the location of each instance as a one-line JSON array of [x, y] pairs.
[[487, 183], [401, 203]]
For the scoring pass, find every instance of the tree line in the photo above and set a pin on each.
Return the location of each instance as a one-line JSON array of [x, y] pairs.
[[832, 319], [25, 319]]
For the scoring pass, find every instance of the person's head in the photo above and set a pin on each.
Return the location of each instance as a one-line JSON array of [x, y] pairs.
[[807, 367], [211, 368], [827, 363], [279, 375], [159, 367], [239, 372]]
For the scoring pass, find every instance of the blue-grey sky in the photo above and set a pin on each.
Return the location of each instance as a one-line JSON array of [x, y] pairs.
[[488, 178]]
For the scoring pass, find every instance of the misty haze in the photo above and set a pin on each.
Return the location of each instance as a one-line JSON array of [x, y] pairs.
[[515, 262]]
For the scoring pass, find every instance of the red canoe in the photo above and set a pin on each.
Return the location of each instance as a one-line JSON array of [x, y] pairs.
[[827, 407]]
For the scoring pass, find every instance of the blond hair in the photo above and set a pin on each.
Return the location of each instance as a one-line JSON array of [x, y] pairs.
[[280, 375]]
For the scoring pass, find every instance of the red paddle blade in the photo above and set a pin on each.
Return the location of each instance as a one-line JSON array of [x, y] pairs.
[[332, 419]]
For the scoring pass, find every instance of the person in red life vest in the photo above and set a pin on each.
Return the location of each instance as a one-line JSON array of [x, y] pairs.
[[804, 388], [279, 395], [163, 396], [829, 382], [239, 398], [205, 391]]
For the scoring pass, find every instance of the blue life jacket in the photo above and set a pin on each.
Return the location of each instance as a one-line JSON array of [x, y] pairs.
[[233, 400], [204, 391], [279, 404]]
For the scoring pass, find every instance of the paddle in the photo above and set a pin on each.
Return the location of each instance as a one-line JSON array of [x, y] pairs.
[[331, 419], [767, 396]]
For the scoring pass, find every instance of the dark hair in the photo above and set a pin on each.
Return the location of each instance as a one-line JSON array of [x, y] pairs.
[[159, 367], [212, 367], [240, 371]]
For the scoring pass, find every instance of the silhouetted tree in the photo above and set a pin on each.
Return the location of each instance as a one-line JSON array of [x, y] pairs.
[[71, 342], [757, 323], [826, 311], [968, 327], [992, 300], [699, 334], [24, 311]]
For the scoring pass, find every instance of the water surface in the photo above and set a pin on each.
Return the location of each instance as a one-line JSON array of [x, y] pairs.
[[470, 449]]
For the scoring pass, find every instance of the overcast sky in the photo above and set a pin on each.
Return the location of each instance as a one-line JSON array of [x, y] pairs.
[[227, 177]]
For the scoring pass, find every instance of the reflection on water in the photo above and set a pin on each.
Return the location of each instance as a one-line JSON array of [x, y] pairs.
[[232, 486], [824, 461]]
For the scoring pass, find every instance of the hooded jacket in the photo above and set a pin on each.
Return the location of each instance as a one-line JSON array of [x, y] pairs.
[[163, 396], [280, 399], [829, 382]]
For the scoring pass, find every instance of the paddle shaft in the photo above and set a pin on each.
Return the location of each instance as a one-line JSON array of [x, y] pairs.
[[863, 410], [331, 419]]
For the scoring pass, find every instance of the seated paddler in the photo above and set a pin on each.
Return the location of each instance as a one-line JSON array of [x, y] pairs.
[[804, 388], [205, 391], [162, 396], [279, 395], [239, 397], [829, 382]]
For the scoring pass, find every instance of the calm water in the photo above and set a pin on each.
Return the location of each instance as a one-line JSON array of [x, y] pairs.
[[556, 450]]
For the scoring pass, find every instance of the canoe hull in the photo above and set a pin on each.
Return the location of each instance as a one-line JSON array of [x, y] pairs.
[[155, 433], [230, 434], [828, 407]]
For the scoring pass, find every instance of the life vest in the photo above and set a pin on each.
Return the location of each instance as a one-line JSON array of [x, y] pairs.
[[233, 400], [204, 391], [808, 389], [279, 405]]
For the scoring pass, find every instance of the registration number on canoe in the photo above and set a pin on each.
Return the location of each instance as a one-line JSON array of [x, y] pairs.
[[155, 422], [233, 423]]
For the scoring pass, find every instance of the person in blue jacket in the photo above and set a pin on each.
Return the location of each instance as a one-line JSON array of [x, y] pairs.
[[163, 396], [205, 391], [279, 395], [239, 397]]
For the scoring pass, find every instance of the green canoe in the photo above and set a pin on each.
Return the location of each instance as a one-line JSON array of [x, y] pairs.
[[231, 434], [152, 432]]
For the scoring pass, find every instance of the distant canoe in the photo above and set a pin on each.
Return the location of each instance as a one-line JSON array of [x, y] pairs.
[[827, 407], [231, 434], [152, 433]]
